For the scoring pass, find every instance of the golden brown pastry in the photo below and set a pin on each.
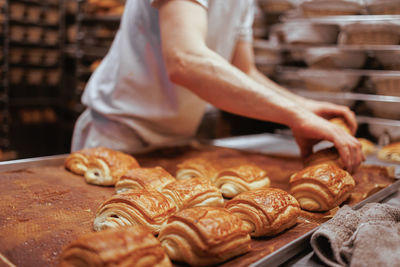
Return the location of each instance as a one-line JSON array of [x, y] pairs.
[[192, 193], [328, 155], [240, 178], [196, 168], [148, 208], [204, 236], [321, 187], [144, 178], [100, 165], [127, 246], [390, 153], [266, 211], [340, 122], [367, 147]]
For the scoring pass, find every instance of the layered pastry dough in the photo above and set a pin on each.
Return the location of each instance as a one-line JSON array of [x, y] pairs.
[[204, 236], [328, 155], [149, 208], [266, 211], [390, 153], [128, 246], [144, 178], [321, 187], [100, 165], [367, 147], [196, 168], [240, 178], [192, 193]]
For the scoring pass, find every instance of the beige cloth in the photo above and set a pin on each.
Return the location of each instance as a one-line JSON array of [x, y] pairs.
[[369, 236]]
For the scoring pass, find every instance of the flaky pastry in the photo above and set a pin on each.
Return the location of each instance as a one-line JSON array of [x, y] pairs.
[[321, 187], [241, 178], [193, 193], [390, 153], [196, 168], [144, 178], [340, 122], [148, 208], [328, 155], [367, 147], [100, 165], [127, 246], [267, 212], [204, 236]]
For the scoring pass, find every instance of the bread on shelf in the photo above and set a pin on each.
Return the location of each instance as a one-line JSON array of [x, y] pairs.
[[370, 33], [320, 8]]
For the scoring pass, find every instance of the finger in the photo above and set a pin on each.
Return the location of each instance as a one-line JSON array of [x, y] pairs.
[[350, 118]]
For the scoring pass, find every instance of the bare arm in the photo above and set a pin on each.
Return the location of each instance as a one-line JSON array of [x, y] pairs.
[[190, 63]]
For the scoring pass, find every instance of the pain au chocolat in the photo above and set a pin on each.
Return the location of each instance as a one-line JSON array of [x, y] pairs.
[[196, 168], [204, 236], [148, 208], [241, 177], [144, 178], [266, 212], [192, 193], [126, 246], [100, 165], [390, 153], [321, 187], [328, 155]]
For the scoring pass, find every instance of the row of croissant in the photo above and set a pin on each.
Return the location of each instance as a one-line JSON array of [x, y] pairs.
[[188, 213]]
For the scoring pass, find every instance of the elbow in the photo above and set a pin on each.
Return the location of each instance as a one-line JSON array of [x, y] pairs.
[[177, 68]]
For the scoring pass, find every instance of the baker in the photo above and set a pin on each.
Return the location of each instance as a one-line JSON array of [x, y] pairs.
[[172, 57]]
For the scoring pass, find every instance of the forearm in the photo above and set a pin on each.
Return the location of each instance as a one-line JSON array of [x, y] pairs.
[[215, 80]]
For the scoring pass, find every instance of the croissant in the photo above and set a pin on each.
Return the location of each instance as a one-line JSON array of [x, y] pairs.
[[390, 152], [204, 236], [340, 122], [237, 179], [193, 192], [267, 212], [368, 148], [328, 155], [196, 168], [148, 208], [321, 187], [127, 246], [100, 165], [144, 178]]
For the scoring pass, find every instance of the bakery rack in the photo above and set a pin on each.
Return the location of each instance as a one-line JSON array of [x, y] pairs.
[[288, 69]]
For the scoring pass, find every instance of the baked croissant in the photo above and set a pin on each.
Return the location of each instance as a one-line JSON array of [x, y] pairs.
[[328, 155], [204, 236], [266, 211], [192, 193], [100, 165], [134, 207], [340, 122], [390, 152], [127, 246], [321, 187], [196, 168], [367, 147], [144, 178], [240, 178]]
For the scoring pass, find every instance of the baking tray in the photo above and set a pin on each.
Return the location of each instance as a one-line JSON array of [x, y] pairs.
[[265, 251]]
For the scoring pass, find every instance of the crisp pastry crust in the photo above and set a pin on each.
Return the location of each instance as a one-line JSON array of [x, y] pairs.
[[204, 236], [321, 187], [367, 147], [240, 178], [148, 208], [127, 246], [328, 155], [267, 212], [340, 122], [193, 193], [196, 168], [100, 165], [144, 178], [390, 153]]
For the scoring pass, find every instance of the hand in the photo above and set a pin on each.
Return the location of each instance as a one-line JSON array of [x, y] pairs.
[[311, 129], [329, 110]]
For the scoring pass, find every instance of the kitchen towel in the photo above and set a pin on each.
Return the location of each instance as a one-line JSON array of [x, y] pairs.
[[369, 236]]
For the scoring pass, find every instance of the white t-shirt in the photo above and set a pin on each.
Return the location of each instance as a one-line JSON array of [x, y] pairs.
[[131, 85]]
